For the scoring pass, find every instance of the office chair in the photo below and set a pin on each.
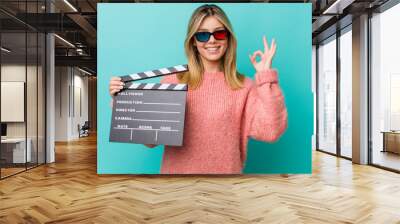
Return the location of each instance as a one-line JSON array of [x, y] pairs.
[[84, 130]]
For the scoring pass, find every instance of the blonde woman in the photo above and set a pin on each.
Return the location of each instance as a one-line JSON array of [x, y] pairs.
[[224, 108]]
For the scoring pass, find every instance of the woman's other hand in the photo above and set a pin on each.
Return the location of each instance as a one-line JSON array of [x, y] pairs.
[[116, 85], [266, 56]]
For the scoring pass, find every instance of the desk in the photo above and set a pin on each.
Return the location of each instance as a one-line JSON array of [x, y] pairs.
[[13, 150], [391, 141]]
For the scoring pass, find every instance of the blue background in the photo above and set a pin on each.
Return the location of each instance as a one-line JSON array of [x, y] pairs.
[[140, 37]]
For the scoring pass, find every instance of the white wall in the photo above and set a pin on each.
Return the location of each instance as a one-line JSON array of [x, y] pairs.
[[12, 73], [61, 103], [79, 117], [71, 87]]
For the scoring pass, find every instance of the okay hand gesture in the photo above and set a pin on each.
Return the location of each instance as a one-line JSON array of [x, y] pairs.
[[266, 56]]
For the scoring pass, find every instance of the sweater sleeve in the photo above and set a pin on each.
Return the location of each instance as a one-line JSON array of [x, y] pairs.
[[265, 115]]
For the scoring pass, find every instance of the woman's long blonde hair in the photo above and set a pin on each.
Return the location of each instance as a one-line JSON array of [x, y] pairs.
[[194, 76]]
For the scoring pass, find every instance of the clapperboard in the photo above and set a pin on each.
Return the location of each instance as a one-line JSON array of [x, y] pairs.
[[150, 113]]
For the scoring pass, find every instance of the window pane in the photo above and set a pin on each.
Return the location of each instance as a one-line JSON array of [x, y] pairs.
[[327, 96], [346, 93], [41, 98], [13, 87], [31, 97], [386, 89]]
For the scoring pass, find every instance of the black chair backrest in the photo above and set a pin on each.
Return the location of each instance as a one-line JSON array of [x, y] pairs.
[[86, 125]]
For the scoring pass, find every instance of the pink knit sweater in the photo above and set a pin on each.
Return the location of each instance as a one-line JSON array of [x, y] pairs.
[[220, 120]]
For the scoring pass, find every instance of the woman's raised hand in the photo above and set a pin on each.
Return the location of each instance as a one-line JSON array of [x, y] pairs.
[[266, 56], [116, 85]]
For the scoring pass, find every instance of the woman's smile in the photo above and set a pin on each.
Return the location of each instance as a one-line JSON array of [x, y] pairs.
[[213, 49]]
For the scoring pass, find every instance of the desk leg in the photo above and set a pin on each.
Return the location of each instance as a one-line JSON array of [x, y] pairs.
[[384, 142]]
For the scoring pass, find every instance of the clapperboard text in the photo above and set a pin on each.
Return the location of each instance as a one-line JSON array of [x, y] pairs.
[[150, 113]]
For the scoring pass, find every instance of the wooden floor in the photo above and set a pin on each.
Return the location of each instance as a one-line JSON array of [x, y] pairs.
[[5, 172], [9, 171], [70, 191]]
